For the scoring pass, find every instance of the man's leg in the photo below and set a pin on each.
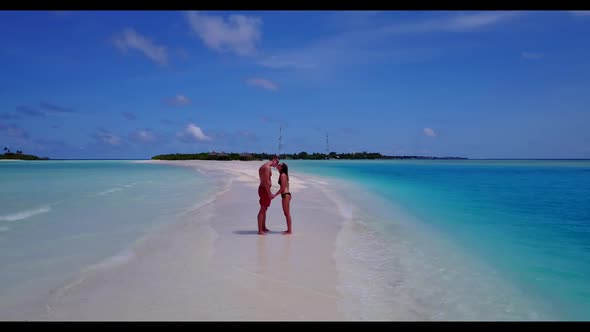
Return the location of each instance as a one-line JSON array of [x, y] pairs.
[[264, 221], [265, 201], [261, 220]]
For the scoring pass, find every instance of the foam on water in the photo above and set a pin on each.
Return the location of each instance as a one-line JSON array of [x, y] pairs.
[[401, 271], [21, 215], [109, 191]]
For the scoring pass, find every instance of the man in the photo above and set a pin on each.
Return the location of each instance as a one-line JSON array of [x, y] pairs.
[[265, 173]]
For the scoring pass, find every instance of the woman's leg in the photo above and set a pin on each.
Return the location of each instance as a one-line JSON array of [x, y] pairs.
[[287, 212]]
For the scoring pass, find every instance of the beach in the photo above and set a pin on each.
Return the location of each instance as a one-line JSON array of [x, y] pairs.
[[214, 266], [372, 241]]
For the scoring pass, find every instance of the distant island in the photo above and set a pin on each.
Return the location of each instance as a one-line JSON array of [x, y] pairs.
[[19, 155], [294, 156]]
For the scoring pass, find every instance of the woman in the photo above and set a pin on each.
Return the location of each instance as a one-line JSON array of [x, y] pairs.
[[285, 194]]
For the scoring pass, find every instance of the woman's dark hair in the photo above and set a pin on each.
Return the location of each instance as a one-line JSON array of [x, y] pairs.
[[284, 169]]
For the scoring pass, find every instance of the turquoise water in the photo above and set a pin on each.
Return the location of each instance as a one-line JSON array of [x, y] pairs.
[[529, 221], [58, 217], [492, 240]]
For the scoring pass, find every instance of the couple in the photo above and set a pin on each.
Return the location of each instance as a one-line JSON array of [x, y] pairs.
[[266, 196]]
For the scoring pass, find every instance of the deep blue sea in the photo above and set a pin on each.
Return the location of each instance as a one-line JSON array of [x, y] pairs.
[[525, 222]]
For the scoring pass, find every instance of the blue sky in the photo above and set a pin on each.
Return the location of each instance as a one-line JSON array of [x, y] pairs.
[[126, 84]]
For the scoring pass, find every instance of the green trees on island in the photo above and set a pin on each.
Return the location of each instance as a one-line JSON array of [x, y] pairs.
[[301, 156], [18, 155]]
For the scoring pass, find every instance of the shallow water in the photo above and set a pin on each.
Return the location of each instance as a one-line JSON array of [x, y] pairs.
[[59, 217], [469, 239]]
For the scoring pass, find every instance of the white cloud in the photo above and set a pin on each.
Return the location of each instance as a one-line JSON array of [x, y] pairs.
[[531, 55], [580, 12], [62, 13], [370, 43], [179, 100], [263, 83], [143, 136], [355, 18], [456, 23], [465, 22], [107, 137], [130, 39], [429, 132], [238, 34], [193, 132]]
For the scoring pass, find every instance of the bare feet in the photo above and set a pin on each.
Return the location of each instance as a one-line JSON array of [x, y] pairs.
[[286, 232], [261, 233]]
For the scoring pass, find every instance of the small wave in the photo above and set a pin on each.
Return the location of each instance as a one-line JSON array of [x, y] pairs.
[[112, 190], [110, 262], [116, 260], [346, 211], [345, 208], [25, 214], [4, 229], [204, 202]]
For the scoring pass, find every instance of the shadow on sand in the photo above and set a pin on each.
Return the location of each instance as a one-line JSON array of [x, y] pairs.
[[251, 232]]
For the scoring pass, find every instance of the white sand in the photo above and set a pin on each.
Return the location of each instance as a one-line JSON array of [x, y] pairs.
[[214, 266]]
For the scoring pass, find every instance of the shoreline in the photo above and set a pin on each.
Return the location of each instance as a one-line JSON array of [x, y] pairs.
[[354, 255], [213, 265]]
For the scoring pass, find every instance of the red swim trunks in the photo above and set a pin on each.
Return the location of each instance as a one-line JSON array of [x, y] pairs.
[[264, 198]]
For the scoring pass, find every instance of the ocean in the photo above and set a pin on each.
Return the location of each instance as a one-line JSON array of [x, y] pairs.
[[58, 218], [423, 240], [464, 240]]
